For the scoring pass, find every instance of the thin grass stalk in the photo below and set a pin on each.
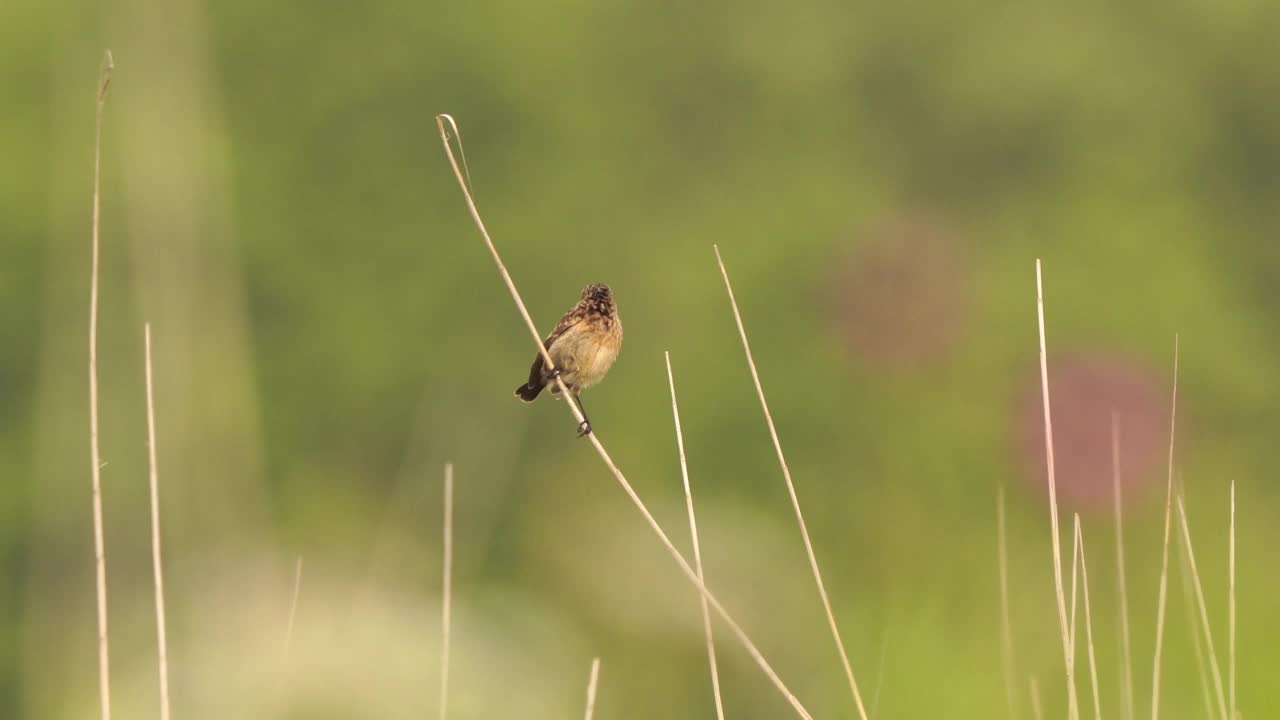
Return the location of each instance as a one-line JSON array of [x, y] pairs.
[[446, 602], [591, 687], [697, 550], [875, 695], [293, 607], [791, 490], [1088, 621], [95, 455], [1197, 647], [1126, 649], [157, 567], [1162, 596], [1231, 608], [593, 437], [1214, 670], [1075, 579], [1072, 701], [1006, 627]]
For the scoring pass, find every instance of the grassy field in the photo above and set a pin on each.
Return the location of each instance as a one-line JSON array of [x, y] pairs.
[[826, 227]]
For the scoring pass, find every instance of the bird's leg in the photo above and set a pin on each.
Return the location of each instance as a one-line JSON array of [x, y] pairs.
[[584, 427]]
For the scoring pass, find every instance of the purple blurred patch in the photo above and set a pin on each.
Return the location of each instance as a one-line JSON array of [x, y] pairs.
[[902, 297], [1084, 390]]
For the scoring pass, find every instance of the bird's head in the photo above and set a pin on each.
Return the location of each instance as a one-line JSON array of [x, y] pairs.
[[598, 292]]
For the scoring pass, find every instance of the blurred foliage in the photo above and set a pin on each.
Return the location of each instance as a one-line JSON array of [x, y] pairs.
[[329, 331]]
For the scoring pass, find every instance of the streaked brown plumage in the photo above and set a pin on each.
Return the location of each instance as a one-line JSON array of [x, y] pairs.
[[583, 346]]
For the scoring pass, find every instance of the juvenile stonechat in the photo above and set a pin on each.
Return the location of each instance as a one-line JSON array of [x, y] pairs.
[[583, 347]]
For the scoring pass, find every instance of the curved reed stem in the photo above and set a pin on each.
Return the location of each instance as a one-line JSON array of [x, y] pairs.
[[1073, 711], [791, 491], [446, 601], [154, 476], [1162, 596], [697, 550], [95, 455], [591, 687], [441, 121]]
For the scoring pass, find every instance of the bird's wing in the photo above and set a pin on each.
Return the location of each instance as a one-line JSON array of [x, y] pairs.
[[570, 319]]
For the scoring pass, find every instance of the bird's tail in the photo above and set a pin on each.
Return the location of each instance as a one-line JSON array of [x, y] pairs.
[[529, 391]]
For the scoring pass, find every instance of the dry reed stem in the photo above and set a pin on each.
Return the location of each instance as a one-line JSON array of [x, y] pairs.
[[1197, 647], [1088, 620], [447, 592], [497, 259], [293, 607], [1072, 701], [1037, 711], [154, 476], [1161, 597], [875, 695], [1006, 627], [1204, 612], [1075, 575], [1231, 608], [95, 456], [697, 551], [791, 490], [1126, 650], [600, 450], [591, 687]]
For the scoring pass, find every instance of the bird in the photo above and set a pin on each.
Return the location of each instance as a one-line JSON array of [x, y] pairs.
[[582, 346]]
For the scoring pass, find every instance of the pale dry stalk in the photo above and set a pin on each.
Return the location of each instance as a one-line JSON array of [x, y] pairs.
[[591, 687], [1126, 650], [1006, 627], [1072, 701], [157, 567], [1088, 621], [95, 455], [1214, 670], [1163, 592], [791, 491], [697, 550], [446, 602], [1197, 646], [1231, 608], [293, 607], [688, 571], [1037, 711]]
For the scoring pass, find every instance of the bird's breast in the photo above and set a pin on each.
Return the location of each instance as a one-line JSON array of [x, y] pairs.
[[586, 351]]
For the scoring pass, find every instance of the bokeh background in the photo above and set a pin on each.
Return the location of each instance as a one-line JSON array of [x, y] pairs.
[[329, 331]]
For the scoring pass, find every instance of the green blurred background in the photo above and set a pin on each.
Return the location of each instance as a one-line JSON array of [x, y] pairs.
[[329, 331]]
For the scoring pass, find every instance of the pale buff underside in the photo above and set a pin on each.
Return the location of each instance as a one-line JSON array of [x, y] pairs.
[[582, 358]]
